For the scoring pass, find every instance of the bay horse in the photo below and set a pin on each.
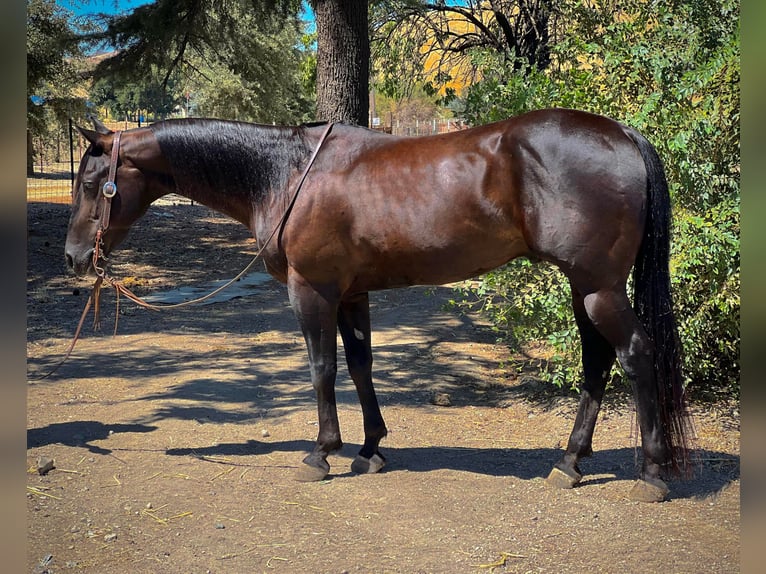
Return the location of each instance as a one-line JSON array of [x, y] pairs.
[[378, 211]]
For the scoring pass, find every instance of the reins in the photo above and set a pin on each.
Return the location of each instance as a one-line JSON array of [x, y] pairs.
[[108, 191]]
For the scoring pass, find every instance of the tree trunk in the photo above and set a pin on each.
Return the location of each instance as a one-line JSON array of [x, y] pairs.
[[30, 155], [343, 61]]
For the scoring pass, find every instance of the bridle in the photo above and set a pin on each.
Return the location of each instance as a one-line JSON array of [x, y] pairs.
[[108, 191]]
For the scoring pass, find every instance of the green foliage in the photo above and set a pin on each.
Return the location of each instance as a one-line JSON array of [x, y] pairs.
[[501, 94], [52, 73], [671, 70], [308, 66], [263, 77], [529, 301], [50, 41], [706, 283], [236, 59], [128, 99]]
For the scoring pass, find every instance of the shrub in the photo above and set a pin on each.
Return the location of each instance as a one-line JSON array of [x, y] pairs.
[[670, 70]]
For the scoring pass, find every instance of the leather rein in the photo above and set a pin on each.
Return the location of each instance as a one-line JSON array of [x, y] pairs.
[[108, 191]]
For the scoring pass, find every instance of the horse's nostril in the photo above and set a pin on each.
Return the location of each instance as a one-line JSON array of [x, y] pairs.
[[79, 262]]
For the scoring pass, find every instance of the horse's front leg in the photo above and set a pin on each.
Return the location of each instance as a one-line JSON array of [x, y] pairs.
[[354, 327], [316, 310]]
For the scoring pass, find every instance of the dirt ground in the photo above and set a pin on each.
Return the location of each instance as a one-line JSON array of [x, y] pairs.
[[175, 442]]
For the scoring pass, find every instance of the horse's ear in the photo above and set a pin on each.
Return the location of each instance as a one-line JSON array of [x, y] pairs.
[[90, 135], [101, 128]]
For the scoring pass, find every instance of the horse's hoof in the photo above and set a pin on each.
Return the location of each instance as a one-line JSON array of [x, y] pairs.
[[644, 491], [560, 479], [310, 473], [370, 465]]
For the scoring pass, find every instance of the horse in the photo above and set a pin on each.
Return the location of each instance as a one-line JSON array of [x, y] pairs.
[[338, 211]]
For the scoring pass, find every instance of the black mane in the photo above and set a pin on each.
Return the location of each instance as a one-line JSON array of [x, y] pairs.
[[235, 158]]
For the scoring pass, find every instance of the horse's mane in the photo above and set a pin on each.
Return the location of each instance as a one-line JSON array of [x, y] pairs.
[[234, 158]]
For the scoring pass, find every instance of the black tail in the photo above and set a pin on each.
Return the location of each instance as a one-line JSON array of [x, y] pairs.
[[653, 304]]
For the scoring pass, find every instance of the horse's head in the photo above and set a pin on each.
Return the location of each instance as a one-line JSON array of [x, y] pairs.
[[128, 203]]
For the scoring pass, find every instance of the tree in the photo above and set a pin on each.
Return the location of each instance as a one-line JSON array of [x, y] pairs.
[[195, 35], [343, 60], [253, 76], [52, 73], [129, 99], [244, 75], [232, 58], [432, 43]]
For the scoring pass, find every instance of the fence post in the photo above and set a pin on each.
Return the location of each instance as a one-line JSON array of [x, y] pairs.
[[71, 153]]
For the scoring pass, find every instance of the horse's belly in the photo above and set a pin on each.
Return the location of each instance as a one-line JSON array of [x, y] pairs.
[[433, 265]]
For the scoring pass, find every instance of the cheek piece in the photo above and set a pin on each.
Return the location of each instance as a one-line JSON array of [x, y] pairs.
[[108, 191]]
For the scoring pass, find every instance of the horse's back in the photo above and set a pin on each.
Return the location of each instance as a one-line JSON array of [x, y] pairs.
[[412, 210]]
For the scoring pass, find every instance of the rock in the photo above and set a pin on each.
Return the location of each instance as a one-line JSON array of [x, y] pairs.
[[265, 433], [110, 537], [441, 400], [45, 465]]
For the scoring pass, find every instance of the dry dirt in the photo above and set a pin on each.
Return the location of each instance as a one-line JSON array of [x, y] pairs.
[[175, 441]]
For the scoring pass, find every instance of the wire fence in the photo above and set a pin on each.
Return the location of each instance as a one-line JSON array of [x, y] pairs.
[[55, 158], [54, 161], [417, 127]]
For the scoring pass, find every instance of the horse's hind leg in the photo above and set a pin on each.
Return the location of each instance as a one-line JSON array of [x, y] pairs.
[[611, 313], [354, 326], [597, 359]]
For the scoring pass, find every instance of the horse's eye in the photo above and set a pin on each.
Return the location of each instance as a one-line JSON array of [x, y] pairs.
[[89, 185]]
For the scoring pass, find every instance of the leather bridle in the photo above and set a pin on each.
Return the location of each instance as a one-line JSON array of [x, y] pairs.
[[108, 191]]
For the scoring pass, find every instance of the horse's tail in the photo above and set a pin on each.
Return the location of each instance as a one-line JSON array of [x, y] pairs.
[[653, 303]]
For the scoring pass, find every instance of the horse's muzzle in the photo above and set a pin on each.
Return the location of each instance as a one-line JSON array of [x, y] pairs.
[[80, 261]]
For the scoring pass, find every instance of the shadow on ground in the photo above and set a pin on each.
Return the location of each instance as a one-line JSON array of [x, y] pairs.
[[526, 464]]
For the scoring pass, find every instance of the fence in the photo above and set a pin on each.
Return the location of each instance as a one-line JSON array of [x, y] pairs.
[[56, 157], [417, 127], [53, 162]]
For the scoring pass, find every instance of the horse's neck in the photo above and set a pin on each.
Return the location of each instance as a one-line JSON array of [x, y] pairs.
[[236, 176]]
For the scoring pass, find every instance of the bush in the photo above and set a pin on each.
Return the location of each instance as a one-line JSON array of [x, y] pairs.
[[670, 70]]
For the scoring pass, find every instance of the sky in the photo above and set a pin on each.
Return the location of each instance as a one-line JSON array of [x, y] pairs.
[[81, 7]]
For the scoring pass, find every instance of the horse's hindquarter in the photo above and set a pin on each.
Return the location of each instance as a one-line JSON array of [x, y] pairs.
[[381, 212], [583, 194]]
